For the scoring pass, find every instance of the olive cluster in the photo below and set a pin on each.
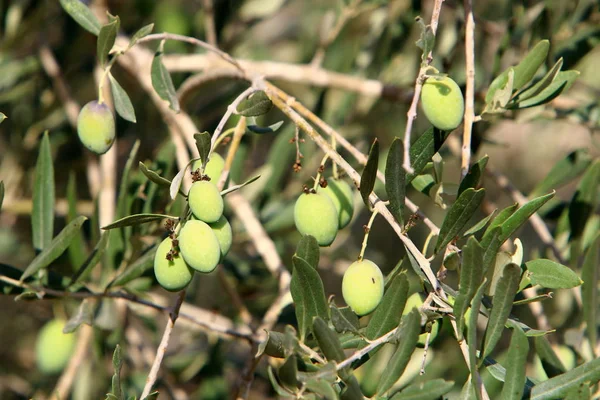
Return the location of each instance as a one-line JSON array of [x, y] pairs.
[[322, 213], [204, 239]]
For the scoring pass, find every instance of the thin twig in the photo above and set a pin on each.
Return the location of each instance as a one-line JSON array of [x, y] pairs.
[[412, 111], [209, 22], [238, 133], [162, 347], [67, 378], [470, 90], [365, 350]]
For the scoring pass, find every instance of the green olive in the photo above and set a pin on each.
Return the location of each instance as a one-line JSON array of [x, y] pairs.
[[214, 167], [205, 201], [53, 348], [199, 246], [173, 275], [362, 286], [443, 103], [315, 215], [341, 195], [96, 127], [222, 231]]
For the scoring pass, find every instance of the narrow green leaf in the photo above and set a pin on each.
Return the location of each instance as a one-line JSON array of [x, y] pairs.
[[514, 382], [162, 82], [352, 391], [308, 250], [369, 174], [328, 340], [1, 193], [255, 105], [387, 315], [408, 332], [82, 15], [526, 69], [499, 220], [423, 149], [471, 275], [502, 302], [241, 185], [274, 346], [500, 90], [143, 31], [125, 197], [122, 102], [542, 83], [106, 40], [552, 365], [480, 225], [177, 179], [584, 200], [203, 145], [580, 392], [472, 340], [93, 259], [552, 275], [428, 390], [564, 171], [322, 388], [343, 319], [137, 219], [56, 247], [459, 214], [473, 177], [491, 243], [84, 315], [395, 180], [77, 249], [135, 269], [309, 292], [467, 392], [153, 176], [42, 214], [559, 386], [265, 129], [589, 291], [426, 41], [288, 373], [520, 216], [562, 82], [116, 378]]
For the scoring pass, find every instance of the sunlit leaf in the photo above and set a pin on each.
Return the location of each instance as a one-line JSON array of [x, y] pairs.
[[552, 275], [137, 219], [106, 40], [514, 382], [471, 275], [122, 102], [82, 15], [459, 214]]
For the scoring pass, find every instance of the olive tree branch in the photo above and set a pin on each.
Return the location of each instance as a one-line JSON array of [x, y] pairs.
[[162, 347], [470, 89], [412, 111], [209, 22]]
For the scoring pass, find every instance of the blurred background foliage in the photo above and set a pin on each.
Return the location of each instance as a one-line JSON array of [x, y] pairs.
[[377, 42]]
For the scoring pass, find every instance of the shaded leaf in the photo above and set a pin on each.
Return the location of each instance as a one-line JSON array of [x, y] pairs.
[[480, 225], [106, 40], [429, 390], [287, 373], [273, 346], [473, 177], [343, 319], [471, 275], [265, 129], [84, 315], [328, 340], [153, 176], [387, 315], [514, 382], [552, 275], [255, 105], [559, 386], [322, 388], [472, 331], [93, 259], [82, 15], [56, 247], [520, 216], [564, 171], [135, 269], [143, 31], [395, 180], [505, 292], [77, 249], [42, 214], [526, 69], [308, 250], [241, 185], [162, 82], [426, 41], [369, 174], [408, 332], [542, 83], [584, 200], [137, 219], [309, 293], [423, 149], [204, 146], [1, 193], [552, 365], [589, 290], [562, 82], [459, 214], [116, 378], [122, 102]]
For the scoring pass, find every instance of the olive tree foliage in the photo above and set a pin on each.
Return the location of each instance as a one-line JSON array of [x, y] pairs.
[[460, 310]]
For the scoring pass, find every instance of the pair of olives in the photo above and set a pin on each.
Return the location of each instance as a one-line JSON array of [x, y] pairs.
[[323, 213], [202, 243]]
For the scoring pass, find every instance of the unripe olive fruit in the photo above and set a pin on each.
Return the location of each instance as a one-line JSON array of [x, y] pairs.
[[199, 246], [443, 103], [362, 286], [205, 201], [96, 127], [413, 301], [340, 194], [315, 215], [222, 231], [213, 168], [173, 275], [53, 348]]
